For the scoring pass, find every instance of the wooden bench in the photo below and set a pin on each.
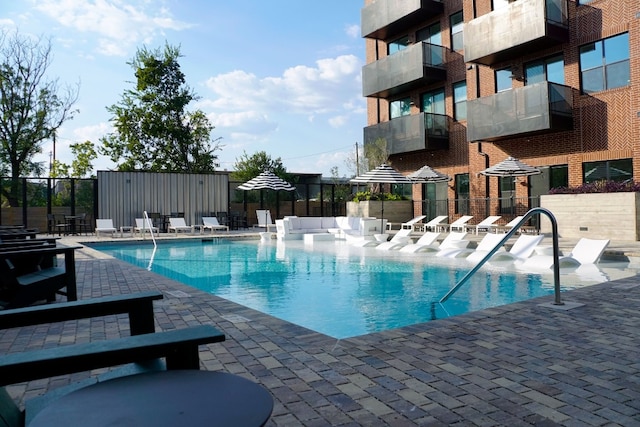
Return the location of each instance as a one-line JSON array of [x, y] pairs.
[[179, 348], [30, 275]]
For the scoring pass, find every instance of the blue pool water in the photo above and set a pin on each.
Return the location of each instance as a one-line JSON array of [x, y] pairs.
[[331, 288]]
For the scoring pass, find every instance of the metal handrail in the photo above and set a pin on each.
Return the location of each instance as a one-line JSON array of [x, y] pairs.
[[556, 252], [147, 221]]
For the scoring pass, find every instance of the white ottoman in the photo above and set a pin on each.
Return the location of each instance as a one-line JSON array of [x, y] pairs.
[[309, 238]]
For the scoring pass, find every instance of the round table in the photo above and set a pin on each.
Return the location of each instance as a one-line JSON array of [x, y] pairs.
[[166, 398]]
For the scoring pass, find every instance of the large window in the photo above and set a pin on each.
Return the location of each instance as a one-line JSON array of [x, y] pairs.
[[430, 34], [548, 69], [400, 107], [460, 100], [605, 64], [433, 102], [457, 25], [503, 80], [462, 193], [398, 45], [609, 170]]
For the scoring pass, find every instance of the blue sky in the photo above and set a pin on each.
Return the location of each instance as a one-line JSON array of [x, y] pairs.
[[281, 76]]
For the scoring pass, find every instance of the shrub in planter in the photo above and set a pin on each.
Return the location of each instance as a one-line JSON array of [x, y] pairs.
[[599, 187], [368, 195]]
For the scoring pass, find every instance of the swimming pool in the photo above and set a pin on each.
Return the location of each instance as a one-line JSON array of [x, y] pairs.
[[332, 288]]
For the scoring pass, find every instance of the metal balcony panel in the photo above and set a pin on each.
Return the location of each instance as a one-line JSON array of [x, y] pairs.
[[417, 132], [522, 27], [540, 108], [384, 19], [418, 65]]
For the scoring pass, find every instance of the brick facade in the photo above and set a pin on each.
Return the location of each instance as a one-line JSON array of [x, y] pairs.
[[606, 124]]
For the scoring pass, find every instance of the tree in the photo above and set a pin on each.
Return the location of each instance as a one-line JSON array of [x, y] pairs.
[[153, 129], [84, 153], [32, 107], [373, 155], [248, 167]]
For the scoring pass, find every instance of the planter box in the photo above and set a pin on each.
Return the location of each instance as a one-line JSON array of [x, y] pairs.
[[598, 216], [397, 211]]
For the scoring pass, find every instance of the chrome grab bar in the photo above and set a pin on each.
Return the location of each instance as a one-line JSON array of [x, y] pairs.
[[556, 252]]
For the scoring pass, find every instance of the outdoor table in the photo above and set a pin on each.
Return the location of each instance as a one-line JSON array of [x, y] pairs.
[[70, 222], [166, 398]]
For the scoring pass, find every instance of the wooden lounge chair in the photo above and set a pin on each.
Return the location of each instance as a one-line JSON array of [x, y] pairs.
[[178, 347]]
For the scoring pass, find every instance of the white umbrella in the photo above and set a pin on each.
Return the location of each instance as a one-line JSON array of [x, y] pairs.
[[383, 174], [267, 180], [511, 167], [427, 174]]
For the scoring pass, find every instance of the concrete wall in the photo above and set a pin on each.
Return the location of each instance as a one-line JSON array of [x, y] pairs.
[[599, 216], [396, 211]]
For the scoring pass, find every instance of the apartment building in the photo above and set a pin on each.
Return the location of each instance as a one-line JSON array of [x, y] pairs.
[[460, 85]]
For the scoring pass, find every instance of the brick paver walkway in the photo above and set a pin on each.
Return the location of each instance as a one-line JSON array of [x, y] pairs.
[[516, 365]]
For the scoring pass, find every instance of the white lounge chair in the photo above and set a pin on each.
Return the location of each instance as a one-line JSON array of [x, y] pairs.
[[453, 241], [586, 251], [488, 242], [483, 225], [521, 250], [264, 219], [459, 224], [177, 225], [496, 228], [144, 226], [427, 239], [412, 223], [105, 226], [400, 239], [211, 223], [436, 224]]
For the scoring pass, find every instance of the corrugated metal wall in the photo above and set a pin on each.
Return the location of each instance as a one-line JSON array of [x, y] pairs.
[[123, 196]]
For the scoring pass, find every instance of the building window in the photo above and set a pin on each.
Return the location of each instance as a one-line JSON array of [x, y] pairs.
[[457, 25], [609, 170], [548, 69], [433, 102], [398, 45], [462, 193], [503, 80], [400, 107], [558, 176], [432, 34], [605, 64], [585, 1], [460, 100]]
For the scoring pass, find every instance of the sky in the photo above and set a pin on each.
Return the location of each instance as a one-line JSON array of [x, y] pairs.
[[280, 76]]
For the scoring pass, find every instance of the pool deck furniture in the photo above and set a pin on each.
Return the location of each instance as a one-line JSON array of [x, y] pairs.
[[294, 228], [264, 219], [400, 239], [310, 238], [412, 223], [31, 274], [454, 241], [178, 224], [505, 228], [521, 249], [484, 225], [211, 223], [458, 225], [105, 226], [586, 251], [144, 226]]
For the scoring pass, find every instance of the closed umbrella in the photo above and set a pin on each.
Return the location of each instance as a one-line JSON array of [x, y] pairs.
[[428, 174], [383, 174]]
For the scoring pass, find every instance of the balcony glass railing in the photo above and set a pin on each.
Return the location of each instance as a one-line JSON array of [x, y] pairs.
[[383, 19], [424, 131]]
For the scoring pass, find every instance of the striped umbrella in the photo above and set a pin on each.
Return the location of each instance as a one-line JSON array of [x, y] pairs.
[[383, 174], [511, 167], [427, 174], [267, 180]]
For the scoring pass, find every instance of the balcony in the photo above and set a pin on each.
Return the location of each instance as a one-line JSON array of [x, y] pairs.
[[417, 65], [424, 131], [522, 27], [385, 19], [540, 108]]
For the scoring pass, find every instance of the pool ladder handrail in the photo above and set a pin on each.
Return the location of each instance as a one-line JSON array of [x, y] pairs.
[[556, 252]]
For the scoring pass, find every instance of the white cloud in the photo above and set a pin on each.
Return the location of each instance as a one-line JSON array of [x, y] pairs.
[[119, 25], [353, 31]]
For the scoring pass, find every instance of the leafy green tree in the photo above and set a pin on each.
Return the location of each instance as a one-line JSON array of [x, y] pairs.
[[153, 129], [376, 153], [32, 107], [248, 167]]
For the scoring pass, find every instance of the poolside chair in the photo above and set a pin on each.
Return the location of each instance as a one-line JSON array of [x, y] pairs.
[[436, 224], [586, 251], [400, 239], [497, 228], [454, 240], [144, 226], [177, 225], [427, 239], [211, 223], [264, 219], [483, 225], [459, 224], [488, 242], [412, 223], [521, 250], [105, 226]]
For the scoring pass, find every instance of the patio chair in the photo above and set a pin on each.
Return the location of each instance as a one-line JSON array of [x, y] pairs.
[[211, 223], [105, 226], [436, 224], [496, 228], [459, 224], [400, 239], [177, 225], [427, 239], [264, 219], [411, 224], [488, 242], [483, 225], [521, 249], [586, 251], [454, 240], [144, 226]]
